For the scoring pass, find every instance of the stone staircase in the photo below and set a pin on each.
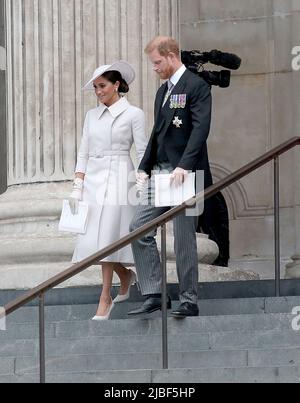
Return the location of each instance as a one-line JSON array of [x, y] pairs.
[[234, 340]]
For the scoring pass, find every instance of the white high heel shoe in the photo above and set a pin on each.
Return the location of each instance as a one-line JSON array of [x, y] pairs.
[[107, 316], [125, 297]]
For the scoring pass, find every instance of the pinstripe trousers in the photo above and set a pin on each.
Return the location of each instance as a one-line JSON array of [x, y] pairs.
[[145, 251]]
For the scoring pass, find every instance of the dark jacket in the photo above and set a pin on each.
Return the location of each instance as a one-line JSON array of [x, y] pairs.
[[185, 146]]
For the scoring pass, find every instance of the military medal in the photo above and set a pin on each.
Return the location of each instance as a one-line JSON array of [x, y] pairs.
[[178, 101], [177, 122], [182, 101], [173, 101]]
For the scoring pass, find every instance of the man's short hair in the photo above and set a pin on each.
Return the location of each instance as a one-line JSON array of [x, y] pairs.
[[164, 45]]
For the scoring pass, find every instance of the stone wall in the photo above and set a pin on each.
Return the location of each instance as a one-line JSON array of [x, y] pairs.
[[254, 115], [3, 173], [53, 49], [293, 269]]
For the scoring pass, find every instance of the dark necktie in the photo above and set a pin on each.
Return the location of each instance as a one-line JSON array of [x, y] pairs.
[[168, 93]]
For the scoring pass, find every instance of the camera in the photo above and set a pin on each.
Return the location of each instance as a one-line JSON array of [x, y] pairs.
[[194, 60]]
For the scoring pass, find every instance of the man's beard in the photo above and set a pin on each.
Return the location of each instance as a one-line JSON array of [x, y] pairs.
[[167, 74]]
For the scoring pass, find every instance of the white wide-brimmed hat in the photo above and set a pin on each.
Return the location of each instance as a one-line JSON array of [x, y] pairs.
[[125, 69]]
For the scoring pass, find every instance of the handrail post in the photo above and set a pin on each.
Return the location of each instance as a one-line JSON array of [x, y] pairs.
[[277, 226], [42, 338], [164, 296]]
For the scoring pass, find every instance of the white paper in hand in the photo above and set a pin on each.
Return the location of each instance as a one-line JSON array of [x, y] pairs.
[[167, 194], [76, 224]]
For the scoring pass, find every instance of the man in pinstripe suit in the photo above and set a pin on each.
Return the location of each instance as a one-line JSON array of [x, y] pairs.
[[178, 145]]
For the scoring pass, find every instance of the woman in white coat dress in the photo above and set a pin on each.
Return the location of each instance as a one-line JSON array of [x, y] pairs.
[[100, 179]]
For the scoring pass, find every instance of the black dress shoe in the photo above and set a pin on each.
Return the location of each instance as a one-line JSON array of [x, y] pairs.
[[150, 305], [186, 309]]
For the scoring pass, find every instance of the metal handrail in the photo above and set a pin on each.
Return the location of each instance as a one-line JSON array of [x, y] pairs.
[[161, 221]]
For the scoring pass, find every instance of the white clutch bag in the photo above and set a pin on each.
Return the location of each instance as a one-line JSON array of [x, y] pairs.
[[76, 224]]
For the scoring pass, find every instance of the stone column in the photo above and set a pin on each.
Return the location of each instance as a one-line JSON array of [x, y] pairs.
[[53, 47], [3, 100], [293, 269]]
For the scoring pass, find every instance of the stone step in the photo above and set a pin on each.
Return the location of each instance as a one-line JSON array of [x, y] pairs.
[[193, 360], [206, 290], [172, 376], [204, 324], [210, 307], [234, 340]]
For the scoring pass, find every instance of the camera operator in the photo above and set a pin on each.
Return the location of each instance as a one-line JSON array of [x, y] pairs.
[[214, 220]]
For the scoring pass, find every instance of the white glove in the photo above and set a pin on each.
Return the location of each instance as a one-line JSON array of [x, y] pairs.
[[141, 181], [76, 195]]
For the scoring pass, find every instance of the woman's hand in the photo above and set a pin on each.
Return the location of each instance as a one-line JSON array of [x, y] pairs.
[[76, 195], [141, 180]]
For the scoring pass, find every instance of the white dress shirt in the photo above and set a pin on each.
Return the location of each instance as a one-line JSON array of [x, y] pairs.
[[177, 76]]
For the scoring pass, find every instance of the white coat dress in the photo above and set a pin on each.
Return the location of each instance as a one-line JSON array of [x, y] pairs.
[[104, 158]]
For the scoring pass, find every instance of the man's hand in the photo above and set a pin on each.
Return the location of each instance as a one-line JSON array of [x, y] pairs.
[[141, 180], [178, 177], [76, 196]]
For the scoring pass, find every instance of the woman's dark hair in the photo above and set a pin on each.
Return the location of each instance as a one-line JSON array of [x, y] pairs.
[[113, 77]]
